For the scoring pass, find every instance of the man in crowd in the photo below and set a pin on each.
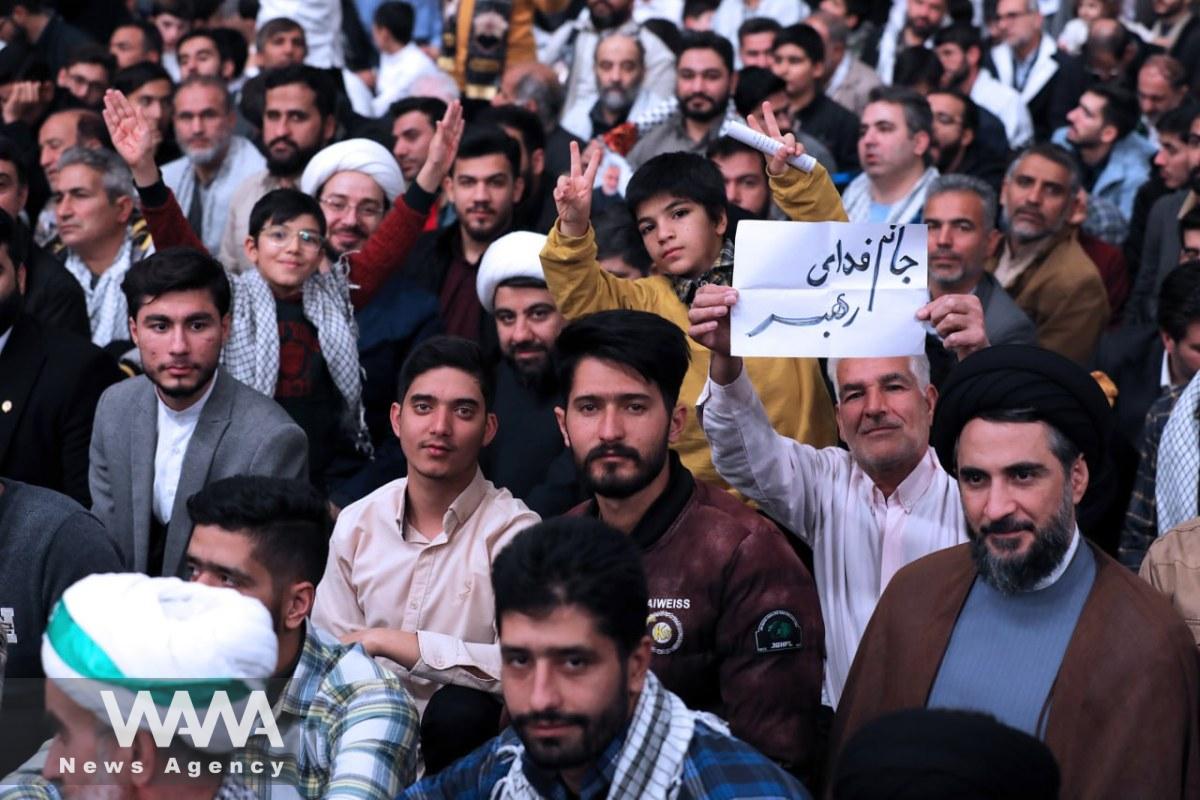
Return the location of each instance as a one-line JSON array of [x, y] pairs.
[[535, 210], [798, 58], [134, 42], [1162, 86], [149, 88], [268, 539], [1171, 174], [744, 171], [408, 564], [401, 61], [960, 50], [527, 455], [920, 20], [161, 437], [415, 119], [199, 53], [298, 120], [1040, 263], [620, 73], [893, 148], [47, 34], [1028, 622], [734, 614], [958, 144], [576, 588], [87, 74], [704, 82], [535, 87], [1177, 30], [50, 383], [356, 181], [755, 40], [215, 161], [960, 214], [847, 80]]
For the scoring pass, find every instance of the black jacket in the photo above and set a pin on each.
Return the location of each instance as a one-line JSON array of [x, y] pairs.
[[834, 127], [53, 296], [50, 383]]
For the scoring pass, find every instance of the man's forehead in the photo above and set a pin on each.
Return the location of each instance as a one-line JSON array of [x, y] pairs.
[[954, 204], [519, 298], [198, 44], [353, 185], [701, 58], [292, 95], [412, 119], [739, 164], [883, 111], [563, 627], [199, 94], [868, 370], [179, 304], [597, 376], [157, 88], [657, 204], [483, 166], [59, 125], [1035, 166], [1005, 6], [78, 175], [617, 47], [446, 383], [946, 103]]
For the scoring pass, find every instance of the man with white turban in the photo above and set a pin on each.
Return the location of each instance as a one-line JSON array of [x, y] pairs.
[[118, 637], [355, 181]]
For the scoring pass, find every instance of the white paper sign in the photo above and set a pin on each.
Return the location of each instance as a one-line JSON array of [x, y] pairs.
[[832, 289]]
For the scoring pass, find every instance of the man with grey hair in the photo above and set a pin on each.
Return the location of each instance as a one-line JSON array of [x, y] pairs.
[[536, 87], [1041, 263], [215, 160], [960, 213], [850, 80], [620, 67], [866, 511], [94, 203]]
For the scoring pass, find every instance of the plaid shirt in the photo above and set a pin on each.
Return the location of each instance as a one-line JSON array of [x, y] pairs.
[[1105, 221], [717, 767], [349, 728], [1141, 520]]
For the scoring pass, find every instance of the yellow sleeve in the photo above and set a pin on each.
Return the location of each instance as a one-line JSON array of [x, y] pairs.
[[808, 196], [581, 286]]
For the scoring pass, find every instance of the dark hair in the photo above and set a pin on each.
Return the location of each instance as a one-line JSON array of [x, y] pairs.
[[916, 67], [707, 40], [134, 77], [286, 519], [533, 135], [522, 282], [183, 9], [396, 18], [755, 85], [12, 154], [970, 121], [433, 108], [202, 33], [963, 36], [575, 561], [284, 205], [447, 351], [490, 140], [12, 239], [1120, 107], [918, 116], [686, 175], [1178, 121], [1116, 42], [213, 82], [90, 127], [694, 8], [152, 40], [617, 236], [648, 344], [231, 46], [1179, 301], [726, 146], [1056, 155], [756, 25], [1189, 222], [175, 269], [94, 54], [806, 38], [315, 79], [275, 26]]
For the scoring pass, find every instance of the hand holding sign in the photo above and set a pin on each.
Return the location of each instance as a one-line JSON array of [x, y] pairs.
[[958, 319], [709, 326]]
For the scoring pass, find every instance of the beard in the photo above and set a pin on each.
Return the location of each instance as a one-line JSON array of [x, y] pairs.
[[955, 79], [1012, 574], [595, 733], [489, 234], [294, 162], [610, 483], [617, 99], [947, 156], [605, 17], [10, 309], [537, 375], [715, 108], [183, 391], [1025, 234], [203, 156]]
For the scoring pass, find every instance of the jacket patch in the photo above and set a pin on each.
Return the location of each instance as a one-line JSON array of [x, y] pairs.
[[778, 630], [665, 631]]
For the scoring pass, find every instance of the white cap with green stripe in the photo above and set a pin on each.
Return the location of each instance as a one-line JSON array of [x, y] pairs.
[[124, 634]]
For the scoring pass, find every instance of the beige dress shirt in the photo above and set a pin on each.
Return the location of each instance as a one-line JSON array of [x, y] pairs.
[[441, 589]]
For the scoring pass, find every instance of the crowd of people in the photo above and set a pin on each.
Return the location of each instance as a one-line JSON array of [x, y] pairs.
[[366, 377]]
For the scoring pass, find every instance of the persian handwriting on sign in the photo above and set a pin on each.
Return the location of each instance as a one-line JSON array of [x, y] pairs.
[[859, 299]]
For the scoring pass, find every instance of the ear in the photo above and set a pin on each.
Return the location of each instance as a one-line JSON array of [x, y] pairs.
[[1077, 208], [490, 426], [394, 417], [920, 143], [124, 209], [62, 77], [537, 161], [733, 83], [678, 418], [448, 187], [227, 71], [299, 604], [931, 398], [973, 56], [133, 332], [967, 138], [994, 239], [226, 323], [818, 69], [328, 128], [1079, 479], [518, 189], [21, 276], [251, 248], [722, 223], [22, 196], [146, 752], [637, 665], [1108, 134], [560, 414]]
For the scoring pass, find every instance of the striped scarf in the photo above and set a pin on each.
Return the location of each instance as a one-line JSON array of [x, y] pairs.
[[857, 200]]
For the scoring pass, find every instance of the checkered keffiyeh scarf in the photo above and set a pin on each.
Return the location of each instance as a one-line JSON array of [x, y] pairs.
[[252, 352], [108, 314], [1177, 480], [623, 137], [721, 274], [651, 762]]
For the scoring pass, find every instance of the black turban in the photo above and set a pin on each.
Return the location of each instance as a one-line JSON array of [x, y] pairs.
[[938, 754], [1015, 377]]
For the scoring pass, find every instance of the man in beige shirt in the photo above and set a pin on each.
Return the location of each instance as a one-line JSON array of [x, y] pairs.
[[409, 570]]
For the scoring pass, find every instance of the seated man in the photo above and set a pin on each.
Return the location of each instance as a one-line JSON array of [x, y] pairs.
[[268, 538], [959, 144], [1040, 263], [798, 58], [734, 614], [678, 200], [620, 66], [960, 50], [589, 718], [848, 81], [744, 171], [408, 565], [135, 41], [149, 87], [162, 436], [755, 40], [1014, 623], [58, 133]]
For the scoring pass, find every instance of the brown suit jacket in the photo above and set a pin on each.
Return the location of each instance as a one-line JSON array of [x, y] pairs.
[[1064, 295], [1125, 707]]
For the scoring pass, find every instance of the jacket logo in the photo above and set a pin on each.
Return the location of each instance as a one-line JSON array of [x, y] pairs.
[[665, 631], [778, 630]]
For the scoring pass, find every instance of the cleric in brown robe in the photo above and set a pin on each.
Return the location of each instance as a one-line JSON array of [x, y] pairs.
[[1029, 622]]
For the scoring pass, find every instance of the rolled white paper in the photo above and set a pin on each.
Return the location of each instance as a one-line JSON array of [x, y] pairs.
[[764, 144]]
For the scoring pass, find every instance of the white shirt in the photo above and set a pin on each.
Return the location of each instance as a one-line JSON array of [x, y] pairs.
[[397, 71], [858, 537], [240, 161], [1006, 104], [4, 339], [175, 429]]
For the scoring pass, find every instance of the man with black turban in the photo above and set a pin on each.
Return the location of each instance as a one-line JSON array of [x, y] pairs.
[[1028, 621]]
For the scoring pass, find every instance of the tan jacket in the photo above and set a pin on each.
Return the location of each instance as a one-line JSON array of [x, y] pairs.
[[520, 49], [1172, 565], [1063, 294]]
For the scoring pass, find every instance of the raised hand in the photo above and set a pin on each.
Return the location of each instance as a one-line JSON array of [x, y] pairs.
[[22, 102], [777, 164], [132, 136], [958, 319], [443, 147], [573, 194], [708, 325]]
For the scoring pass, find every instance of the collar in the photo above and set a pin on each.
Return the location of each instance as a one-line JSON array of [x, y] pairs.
[[192, 411], [839, 74], [915, 484], [1058, 572], [665, 509], [4, 338], [1164, 375], [600, 125], [595, 782], [317, 658], [467, 502], [721, 274]]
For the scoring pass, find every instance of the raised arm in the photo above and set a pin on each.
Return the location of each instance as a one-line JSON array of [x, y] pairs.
[[803, 196]]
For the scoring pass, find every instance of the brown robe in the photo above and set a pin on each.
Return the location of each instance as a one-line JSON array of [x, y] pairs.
[[1125, 706]]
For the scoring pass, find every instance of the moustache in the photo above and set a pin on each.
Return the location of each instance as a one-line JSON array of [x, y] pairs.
[[525, 348], [355, 230], [1008, 524], [481, 208], [283, 140], [177, 365], [550, 718], [619, 450], [1031, 211], [712, 101]]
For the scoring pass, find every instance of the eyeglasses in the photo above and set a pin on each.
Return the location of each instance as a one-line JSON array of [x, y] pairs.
[[367, 209], [1012, 15], [280, 237], [946, 119]]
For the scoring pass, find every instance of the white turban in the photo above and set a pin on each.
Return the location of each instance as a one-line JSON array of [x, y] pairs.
[[354, 155], [513, 255], [125, 633]]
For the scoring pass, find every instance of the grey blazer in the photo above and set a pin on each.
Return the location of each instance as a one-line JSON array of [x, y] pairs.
[[1160, 255], [1003, 320], [239, 432]]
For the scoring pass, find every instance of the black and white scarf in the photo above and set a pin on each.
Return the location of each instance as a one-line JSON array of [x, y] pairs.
[[721, 274]]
